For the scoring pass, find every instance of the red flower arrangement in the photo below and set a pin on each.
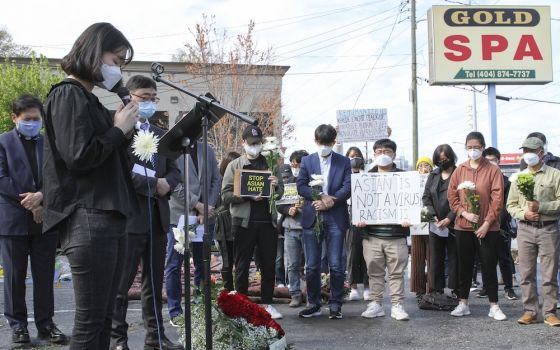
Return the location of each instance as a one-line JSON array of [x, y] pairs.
[[235, 305]]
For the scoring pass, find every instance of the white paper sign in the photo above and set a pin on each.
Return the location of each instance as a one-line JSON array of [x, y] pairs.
[[356, 125], [199, 228], [420, 230], [444, 232], [387, 198], [139, 169]]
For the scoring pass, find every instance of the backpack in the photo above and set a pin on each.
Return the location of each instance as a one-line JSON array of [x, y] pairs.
[[437, 301]]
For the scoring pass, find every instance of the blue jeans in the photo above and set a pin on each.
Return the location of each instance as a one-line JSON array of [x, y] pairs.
[[293, 250], [334, 238]]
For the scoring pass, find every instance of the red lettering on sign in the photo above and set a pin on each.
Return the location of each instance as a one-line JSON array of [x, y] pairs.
[[458, 52], [527, 48], [491, 44]]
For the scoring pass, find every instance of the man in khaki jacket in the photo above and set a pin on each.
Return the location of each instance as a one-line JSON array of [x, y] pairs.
[[537, 234]]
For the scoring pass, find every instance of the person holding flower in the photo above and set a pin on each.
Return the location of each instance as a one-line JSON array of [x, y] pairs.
[[534, 200], [475, 195], [324, 183], [253, 220]]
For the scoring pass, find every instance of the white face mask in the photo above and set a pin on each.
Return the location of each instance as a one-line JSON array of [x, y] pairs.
[[111, 76], [295, 171], [474, 153], [383, 160], [324, 151], [253, 151], [531, 159]]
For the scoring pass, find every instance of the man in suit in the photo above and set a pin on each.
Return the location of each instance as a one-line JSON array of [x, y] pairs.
[[333, 212], [174, 262], [146, 244], [21, 181]]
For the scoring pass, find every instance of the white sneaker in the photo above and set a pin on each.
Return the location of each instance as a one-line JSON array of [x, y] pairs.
[[367, 297], [354, 295], [496, 313], [374, 309], [281, 285], [461, 310], [398, 313], [273, 312]]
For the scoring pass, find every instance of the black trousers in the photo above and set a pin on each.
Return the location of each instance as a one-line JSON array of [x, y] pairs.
[[95, 243], [467, 245], [226, 251], [505, 261], [264, 237], [15, 251], [440, 248], [141, 251], [357, 268]]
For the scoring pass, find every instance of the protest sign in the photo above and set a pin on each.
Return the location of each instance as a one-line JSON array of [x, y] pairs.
[[358, 125], [290, 196], [252, 183], [387, 198]]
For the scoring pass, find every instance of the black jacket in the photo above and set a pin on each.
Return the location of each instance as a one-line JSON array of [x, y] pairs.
[[85, 158], [386, 231], [436, 200]]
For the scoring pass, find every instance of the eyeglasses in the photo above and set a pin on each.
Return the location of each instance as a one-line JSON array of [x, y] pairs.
[[146, 98]]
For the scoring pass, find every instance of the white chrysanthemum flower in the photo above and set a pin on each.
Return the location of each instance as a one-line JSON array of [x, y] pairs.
[[179, 248], [271, 139], [318, 180], [145, 145], [424, 211], [265, 153], [179, 235], [270, 146], [466, 185]]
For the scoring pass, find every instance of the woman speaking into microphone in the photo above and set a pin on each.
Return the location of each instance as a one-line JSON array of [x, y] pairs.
[[88, 191]]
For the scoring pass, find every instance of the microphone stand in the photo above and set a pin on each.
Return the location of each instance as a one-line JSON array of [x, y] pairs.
[[208, 110]]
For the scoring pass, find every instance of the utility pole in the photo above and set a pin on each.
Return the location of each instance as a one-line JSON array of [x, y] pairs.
[[413, 85], [475, 117]]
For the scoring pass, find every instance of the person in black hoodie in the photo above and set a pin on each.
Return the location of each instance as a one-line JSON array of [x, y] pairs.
[[385, 247], [437, 205]]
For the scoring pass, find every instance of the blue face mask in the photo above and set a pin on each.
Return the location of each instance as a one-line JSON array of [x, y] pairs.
[[29, 128], [146, 109]]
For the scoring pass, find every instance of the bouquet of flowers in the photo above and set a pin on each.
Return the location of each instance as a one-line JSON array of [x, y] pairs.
[[316, 185], [473, 199], [526, 185], [271, 151], [425, 215], [179, 235]]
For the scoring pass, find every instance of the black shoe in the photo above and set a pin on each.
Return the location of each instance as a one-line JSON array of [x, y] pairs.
[[123, 346], [455, 294], [510, 294], [20, 334], [52, 334], [313, 311], [152, 343], [482, 293], [335, 314]]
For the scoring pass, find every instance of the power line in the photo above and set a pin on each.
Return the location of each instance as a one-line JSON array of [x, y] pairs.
[[349, 70]]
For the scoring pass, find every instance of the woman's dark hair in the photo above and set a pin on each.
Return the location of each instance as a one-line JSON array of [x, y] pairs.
[[298, 156], [448, 151], [355, 150], [385, 143], [325, 134], [25, 102], [226, 160], [475, 135], [140, 82], [84, 59]]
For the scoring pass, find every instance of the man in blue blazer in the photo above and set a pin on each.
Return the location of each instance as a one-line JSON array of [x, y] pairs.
[[332, 210], [21, 181]]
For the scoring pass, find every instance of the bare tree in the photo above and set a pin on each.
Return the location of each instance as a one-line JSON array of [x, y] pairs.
[[235, 72], [10, 49]]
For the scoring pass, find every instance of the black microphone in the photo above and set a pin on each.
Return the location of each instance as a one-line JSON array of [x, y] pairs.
[[157, 68], [124, 95]]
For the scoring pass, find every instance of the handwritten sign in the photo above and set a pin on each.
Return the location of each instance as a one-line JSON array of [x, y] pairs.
[[387, 198], [290, 196], [356, 125], [252, 183]]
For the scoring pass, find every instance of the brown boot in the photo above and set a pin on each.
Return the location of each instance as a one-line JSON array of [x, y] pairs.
[[527, 318], [552, 321], [296, 301]]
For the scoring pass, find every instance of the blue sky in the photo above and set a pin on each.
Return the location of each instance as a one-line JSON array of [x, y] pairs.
[[336, 42]]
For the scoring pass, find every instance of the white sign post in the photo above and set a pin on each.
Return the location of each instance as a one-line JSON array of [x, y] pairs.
[[358, 125], [387, 198]]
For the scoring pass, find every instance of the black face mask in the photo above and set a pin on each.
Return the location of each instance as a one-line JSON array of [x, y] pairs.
[[357, 163], [445, 164]]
